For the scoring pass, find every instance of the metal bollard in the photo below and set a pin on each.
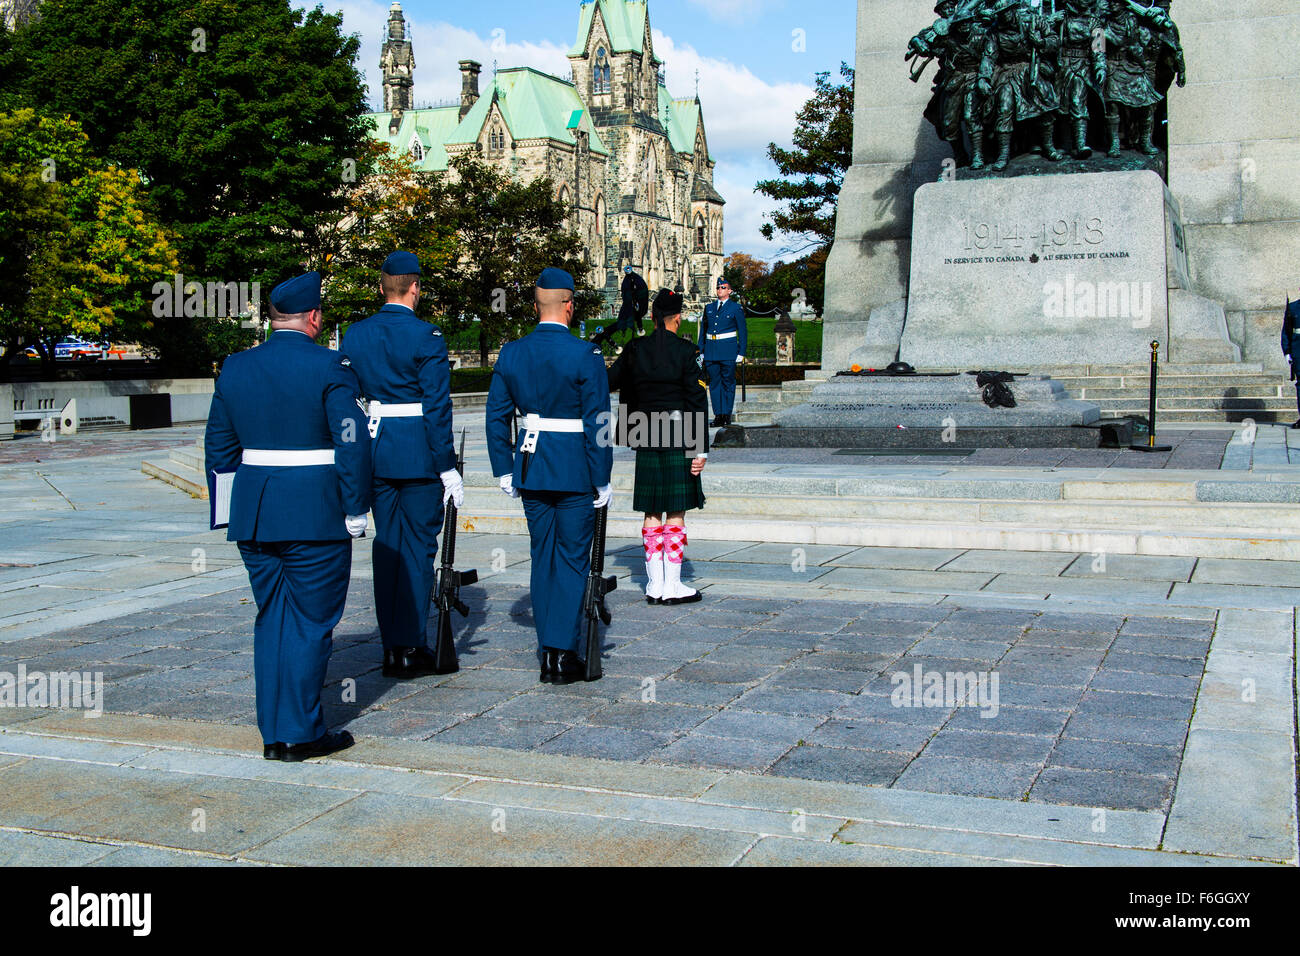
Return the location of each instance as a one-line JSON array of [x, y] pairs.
[[1151, 409]]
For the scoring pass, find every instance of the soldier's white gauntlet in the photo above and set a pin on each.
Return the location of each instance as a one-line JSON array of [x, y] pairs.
[[356, 525], [453, 487]]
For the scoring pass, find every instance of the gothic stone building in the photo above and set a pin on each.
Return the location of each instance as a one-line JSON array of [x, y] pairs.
[[630, 162]]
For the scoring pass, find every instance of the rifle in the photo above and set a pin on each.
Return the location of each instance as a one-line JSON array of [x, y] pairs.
[[448, 585], [593, 598]]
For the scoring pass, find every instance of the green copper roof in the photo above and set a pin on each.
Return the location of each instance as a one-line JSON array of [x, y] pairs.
[[625, 21], [535, 105], [431, 127]]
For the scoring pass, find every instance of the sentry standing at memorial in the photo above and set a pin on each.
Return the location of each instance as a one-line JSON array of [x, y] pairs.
[[402, 363], [286, 420], [663, 408], [558, 382], [723, 338]]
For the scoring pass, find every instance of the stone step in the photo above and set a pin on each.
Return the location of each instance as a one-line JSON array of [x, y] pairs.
[[705, 526], [189, 456], [1175, 393], [1144, 368], [190, 480]]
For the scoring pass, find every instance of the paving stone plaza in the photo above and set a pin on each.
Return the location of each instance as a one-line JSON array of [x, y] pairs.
[[1122, 708]]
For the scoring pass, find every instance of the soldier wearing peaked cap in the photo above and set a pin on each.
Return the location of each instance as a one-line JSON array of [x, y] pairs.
[[723, 338], [561, 460], [405, 374], [286, 420], [664, 402]]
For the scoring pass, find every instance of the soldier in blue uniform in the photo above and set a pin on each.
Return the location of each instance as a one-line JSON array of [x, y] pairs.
[[722, 340], [559, 385], [286, 418], [1291, 345], [402, 363]]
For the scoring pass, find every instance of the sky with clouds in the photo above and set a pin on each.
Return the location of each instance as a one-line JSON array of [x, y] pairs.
[[756, 61]]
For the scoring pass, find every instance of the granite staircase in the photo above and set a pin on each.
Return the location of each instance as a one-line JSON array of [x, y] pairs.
[[1185, 393]]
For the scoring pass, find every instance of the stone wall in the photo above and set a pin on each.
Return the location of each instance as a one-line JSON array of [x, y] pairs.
[[108, 404], [1234, 161]]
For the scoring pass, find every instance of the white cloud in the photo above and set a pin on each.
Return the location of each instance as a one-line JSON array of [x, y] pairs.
[[742, 113]]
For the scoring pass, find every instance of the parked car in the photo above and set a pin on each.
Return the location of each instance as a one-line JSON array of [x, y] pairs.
[[71, 349]]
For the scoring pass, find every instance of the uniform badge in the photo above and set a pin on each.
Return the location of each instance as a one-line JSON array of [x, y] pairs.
[[345, 362], [437, 332], [699, 360]]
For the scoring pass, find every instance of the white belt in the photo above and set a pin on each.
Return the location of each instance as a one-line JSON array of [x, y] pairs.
[[379, 411], [534, 425], [288, 458], [724, 335]]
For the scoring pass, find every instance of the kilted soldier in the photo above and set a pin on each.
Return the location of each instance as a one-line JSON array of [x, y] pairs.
[[664, 404], [1012, 74], [1130, 85], [957, 39]]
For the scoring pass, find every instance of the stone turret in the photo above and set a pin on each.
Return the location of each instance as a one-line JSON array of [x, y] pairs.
[[397, 60]]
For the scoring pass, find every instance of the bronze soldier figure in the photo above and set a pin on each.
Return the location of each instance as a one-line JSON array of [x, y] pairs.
[[1012, 71]]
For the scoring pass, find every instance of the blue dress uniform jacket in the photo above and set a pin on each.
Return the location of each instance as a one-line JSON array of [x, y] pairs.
[[719, 319], [290, 394], [553, 374], [400, 360]]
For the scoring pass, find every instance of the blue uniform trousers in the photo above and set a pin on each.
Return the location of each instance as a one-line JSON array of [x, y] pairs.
[[560, 526], [300, 588], [722, 386], [408, 518]]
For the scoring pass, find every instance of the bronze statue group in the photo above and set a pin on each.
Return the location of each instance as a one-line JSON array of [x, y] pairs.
[[1009, 68]]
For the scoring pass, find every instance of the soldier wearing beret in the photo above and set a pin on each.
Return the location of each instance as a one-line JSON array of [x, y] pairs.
[[560, 464], [286, 420], [722, 341], [405, 374], [664, 403]]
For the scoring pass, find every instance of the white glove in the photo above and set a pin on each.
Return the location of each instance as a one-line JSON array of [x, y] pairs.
[[740, 360], [453, 487], [356, 525], [603, 494], [508, 486]]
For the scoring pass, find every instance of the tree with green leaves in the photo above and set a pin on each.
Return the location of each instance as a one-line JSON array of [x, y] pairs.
[[79, 249], [507, 232], [394, 207], [812, 172], [245, 121]]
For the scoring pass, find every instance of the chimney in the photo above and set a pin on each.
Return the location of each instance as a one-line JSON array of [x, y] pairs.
[[469, 71]]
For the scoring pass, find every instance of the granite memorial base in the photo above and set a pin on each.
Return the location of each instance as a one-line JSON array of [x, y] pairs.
[[926, 412]]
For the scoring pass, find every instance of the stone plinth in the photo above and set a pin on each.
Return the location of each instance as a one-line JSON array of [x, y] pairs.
[[929, 412], [1041, 271]]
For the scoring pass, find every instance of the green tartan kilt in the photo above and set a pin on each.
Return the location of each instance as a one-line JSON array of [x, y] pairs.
[[664, 482]]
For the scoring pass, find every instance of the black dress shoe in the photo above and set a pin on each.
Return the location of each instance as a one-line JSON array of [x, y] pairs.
[[570, 669], [689, 599], [322, 746], [717, 422], [1296, 425], [273, 751], [408, 662], [550, 664]]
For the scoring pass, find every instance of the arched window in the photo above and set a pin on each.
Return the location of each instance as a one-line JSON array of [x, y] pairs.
[[417, 150], [701, 234], [600, 76], [496, 139], [600, 215], [652, 181]]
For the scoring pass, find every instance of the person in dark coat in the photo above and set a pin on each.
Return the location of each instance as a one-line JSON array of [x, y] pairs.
[[636, 300], [663, 413], [1291, 344]]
